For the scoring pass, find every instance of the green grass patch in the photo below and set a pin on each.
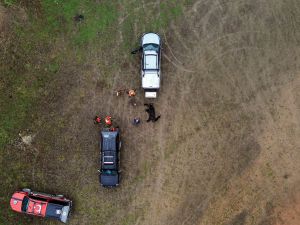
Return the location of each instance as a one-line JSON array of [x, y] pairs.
[[151, 18], [130, 219], [25, 75], [18, 98], [8, 3], [60, 15]]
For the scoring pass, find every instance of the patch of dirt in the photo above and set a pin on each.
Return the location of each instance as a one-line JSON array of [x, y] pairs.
[[4, 18], [289, 212], [27, 139], [8, 16], [239, 219]]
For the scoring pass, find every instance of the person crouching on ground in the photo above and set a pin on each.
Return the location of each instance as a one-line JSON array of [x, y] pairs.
[[108, 121], [131, 92], [136, 121]]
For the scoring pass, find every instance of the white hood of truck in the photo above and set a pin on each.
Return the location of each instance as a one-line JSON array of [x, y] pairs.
[[150, 80], [150, 38]]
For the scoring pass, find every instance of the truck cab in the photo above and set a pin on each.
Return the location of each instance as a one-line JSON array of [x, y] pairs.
[[150, 64]]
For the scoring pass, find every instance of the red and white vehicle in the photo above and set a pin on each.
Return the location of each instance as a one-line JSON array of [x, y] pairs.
[[41, 204]]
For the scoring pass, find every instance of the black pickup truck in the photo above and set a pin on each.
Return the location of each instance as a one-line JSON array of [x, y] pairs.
[[110, 157]]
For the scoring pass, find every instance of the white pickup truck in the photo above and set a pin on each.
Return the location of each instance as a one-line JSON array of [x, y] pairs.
[[150, 64]]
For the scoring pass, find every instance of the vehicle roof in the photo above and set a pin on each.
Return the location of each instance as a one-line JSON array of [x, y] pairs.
[[150, 60], [109, 139], [37, 207], [150, 38]]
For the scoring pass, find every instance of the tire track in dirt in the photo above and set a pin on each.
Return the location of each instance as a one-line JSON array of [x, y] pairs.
[[223, 58], [267, 178]]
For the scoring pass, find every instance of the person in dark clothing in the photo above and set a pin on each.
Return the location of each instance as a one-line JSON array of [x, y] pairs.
[[151, 111], [137, 50], [136, 121], [133, 102], [78, 18]]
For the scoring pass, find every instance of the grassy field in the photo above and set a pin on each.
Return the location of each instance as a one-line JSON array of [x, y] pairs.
[[40, 40], [226, 149]]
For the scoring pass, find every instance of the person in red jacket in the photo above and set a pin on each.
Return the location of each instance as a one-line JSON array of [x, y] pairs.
[[97, 120], [108, 120]]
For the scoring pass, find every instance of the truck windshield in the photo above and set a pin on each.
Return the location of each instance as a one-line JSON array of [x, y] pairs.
[[109, 172], [151, 47], [25, 204]]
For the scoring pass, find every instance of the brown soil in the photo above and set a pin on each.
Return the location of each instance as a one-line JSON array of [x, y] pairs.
[[289, 212]]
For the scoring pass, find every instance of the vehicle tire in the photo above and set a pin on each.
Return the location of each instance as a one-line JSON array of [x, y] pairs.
[[59, 196], [27, 190]]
